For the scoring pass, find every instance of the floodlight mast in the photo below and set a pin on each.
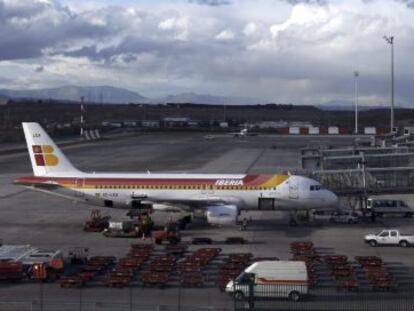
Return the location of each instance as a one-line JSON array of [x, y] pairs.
[[390, 41], [81, 118], [356, 75]]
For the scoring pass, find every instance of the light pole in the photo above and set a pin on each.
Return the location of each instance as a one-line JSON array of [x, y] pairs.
[[390, 41], [356, 75], [81, 118]]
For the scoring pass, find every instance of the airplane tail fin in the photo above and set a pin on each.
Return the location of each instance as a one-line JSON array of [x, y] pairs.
[[46, 158]]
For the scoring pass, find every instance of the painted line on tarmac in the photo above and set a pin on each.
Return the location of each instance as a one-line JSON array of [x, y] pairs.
[[12, 194], [255, 160]]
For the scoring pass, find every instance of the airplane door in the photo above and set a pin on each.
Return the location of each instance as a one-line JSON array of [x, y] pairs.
[[266, 204], [293, 190], [79, 187]]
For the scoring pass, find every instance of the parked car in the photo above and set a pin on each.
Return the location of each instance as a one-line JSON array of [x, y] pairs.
[[345, 217], [390, 237]]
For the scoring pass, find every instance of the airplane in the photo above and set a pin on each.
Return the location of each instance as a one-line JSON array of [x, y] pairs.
[[240, 134], [221, 196]]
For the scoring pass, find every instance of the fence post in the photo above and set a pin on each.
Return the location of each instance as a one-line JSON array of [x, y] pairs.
[[41, 295], [80, 299], [251, 295], [130, 298]]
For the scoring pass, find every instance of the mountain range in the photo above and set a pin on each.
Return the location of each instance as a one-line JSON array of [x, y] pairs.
[[106, 94], [109, 94]]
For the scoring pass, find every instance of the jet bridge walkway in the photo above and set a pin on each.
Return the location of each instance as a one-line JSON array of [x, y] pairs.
[[368, 181]]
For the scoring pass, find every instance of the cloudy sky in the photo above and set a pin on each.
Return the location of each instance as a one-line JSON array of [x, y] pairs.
[[286, 51]]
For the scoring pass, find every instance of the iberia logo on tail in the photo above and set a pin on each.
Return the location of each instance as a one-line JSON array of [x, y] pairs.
[[44, 155]]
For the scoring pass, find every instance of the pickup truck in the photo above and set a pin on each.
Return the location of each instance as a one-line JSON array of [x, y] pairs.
[[390, 237]]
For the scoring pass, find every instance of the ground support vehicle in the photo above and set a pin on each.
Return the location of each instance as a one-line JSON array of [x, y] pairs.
[[46, 271], [88, 271], [302, 248], [96, 222], [305, 251], [192, 279], [342, 271], [11, 270], [172, 237], [73, 281], [117, 280], [201, 240], [389, 237], [155, 279], [235, 240], [271, 279], [121, 234], [190, 267], [377, 274], [175, 249], [123, 229]]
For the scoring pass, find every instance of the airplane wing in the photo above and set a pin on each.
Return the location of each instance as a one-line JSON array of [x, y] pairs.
[[195, 202]]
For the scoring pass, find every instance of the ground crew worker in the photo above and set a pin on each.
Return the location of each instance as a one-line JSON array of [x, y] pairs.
[[243, 226], [171, 226], [150, 225], [144, 227]]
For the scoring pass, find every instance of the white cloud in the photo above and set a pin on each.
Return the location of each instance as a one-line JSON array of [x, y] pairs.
[[293, 51], [250, 29], [225, 35], [178, 25]]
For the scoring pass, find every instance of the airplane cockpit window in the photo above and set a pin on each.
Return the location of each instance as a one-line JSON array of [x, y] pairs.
[[315, 187]]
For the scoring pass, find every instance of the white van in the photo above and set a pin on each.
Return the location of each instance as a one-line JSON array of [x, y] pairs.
[[277, 279], [391, 207]]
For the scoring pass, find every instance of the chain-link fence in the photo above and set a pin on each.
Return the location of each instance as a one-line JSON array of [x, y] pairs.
[[327, 300], [94, 306]]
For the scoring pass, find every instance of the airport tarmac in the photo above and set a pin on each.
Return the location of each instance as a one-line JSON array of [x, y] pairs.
[[28, 217]]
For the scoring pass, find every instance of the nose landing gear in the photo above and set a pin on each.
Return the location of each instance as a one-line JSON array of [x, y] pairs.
[[293, 221]]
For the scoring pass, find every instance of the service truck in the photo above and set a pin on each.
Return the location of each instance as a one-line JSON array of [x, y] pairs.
[[390, 237], [271, 279]]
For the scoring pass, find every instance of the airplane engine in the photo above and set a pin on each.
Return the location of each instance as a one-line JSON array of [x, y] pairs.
[[222, 215]]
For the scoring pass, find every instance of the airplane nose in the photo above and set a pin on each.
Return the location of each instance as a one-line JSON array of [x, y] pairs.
[[332, 198]]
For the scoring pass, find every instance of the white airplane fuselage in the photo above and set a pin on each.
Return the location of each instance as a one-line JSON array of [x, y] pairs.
[[245, 191]]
